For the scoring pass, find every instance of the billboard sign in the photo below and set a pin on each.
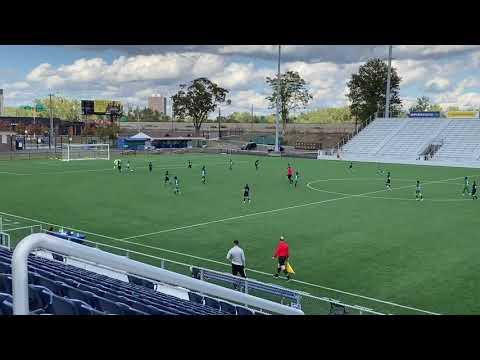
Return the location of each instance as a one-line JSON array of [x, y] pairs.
[[424, 114], [462, 114], [87, 107], [98, 107]]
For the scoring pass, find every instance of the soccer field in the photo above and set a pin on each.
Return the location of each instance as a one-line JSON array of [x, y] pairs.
[[349, 238]]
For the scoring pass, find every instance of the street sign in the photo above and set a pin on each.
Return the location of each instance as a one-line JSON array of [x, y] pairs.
[[40, 107]]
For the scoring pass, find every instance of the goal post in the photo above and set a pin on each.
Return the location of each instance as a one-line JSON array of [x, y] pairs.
[[85, 152]]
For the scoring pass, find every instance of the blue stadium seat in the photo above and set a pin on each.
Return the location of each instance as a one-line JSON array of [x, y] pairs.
[[228, 308], [81, 307], [61, 306], [5, 268], [60, 288], [243, 311], [6, 306], [127, 310], [212, 303], [6, 283], [86, 310], [37, 298], [196, 298]]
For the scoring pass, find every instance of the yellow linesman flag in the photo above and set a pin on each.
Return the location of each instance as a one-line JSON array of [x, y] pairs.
[[290, 268]]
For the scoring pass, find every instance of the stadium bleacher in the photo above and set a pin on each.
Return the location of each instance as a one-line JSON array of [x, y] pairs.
[[407, 138], [60, 289]]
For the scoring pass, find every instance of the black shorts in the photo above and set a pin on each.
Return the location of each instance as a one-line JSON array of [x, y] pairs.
[[289, 177], [246, 195], [282, 260], [238, 270]]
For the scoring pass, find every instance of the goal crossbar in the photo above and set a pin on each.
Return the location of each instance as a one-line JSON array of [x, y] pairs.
[[72, 152]]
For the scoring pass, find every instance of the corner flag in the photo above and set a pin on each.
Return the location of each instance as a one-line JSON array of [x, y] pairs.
[[290, 268]]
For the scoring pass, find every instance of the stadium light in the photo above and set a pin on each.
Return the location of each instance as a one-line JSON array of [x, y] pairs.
[[277, 115], [387, 103]]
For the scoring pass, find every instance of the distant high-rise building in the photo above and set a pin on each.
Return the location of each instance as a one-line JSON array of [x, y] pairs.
[[158, 103], [1, 102]]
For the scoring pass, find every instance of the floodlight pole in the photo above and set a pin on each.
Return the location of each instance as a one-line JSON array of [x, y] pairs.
[[277, 115], [387, 104], [51, 123]]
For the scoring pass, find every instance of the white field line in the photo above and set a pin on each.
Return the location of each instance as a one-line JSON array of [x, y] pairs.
[[111, 169], [384, 197], [221, 263], [347, 196]]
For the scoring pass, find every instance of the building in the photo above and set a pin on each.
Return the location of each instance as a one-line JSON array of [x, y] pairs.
[[158, 103], [1, 102]]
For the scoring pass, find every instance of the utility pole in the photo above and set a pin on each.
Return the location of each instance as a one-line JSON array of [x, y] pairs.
[[51, 123], [219, 134], [277, 115], [253, 119], [387, 104]]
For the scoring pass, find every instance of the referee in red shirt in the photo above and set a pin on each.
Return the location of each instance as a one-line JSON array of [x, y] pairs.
[[282, 253]]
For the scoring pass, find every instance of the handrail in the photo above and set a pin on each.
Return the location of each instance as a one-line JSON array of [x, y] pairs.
[[52, 243]]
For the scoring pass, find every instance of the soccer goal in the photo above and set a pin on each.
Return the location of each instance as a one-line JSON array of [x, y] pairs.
[[85, 152]]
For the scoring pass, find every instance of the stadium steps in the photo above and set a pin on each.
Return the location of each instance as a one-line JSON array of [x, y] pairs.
[[62, 289]]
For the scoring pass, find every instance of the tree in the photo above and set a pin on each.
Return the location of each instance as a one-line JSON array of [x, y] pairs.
[[367, 91], [62, 107], [197, 99], [292, 94], [423, 103]]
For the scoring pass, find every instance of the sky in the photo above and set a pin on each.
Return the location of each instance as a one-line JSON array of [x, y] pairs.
[[448, 74]]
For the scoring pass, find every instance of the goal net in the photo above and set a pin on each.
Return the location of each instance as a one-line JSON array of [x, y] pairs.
[[85, 152]]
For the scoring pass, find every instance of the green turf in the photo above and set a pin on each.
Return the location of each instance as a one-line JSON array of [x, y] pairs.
[[383, 245]]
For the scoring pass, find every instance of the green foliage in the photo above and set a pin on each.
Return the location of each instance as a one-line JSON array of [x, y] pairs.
[[62, 107], [146, 115], [367, 90], [326, 115], [292, 94], [197, 100]]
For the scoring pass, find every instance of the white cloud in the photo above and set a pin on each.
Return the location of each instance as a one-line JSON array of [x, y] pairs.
[[437, 84], [125, 69], [410, 71], [244, 99]]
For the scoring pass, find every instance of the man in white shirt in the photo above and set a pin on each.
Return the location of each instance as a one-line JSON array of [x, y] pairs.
[[236, 256]]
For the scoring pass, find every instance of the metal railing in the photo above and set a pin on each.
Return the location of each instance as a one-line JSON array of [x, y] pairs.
[[310, 303], [313, 305], [57, 245]]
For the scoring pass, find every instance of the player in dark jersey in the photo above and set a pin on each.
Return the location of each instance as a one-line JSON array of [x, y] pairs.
[[418, 191], [189, 164], [167, 178], [474, 190], [119, 166], [150, 166], [350, 166], [466, 190], [388, 183], [257, 162], [204, 174], [246, 194]]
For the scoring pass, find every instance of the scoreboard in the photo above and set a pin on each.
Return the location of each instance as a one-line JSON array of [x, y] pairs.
[[98, 107]]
